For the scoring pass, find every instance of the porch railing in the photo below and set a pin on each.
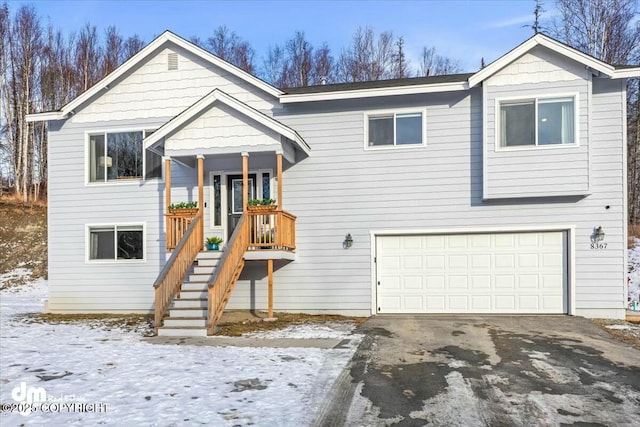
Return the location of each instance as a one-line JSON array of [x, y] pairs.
[[272, 230], [177, 224], [223, 279], [170, 279]]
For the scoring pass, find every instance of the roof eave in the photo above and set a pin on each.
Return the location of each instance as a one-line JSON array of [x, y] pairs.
[[370, 93], [45, 117], [626, 73]]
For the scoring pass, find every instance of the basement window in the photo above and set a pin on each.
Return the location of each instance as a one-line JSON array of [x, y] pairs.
[[116, 243]]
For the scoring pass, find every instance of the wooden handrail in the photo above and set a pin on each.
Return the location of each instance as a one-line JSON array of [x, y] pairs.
[[177, 224], [274, 230], [224, 278], [168, 282]]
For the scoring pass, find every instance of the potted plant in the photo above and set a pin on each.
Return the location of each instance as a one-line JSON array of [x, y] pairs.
[[184, 208], [262, 205], [213, 243]]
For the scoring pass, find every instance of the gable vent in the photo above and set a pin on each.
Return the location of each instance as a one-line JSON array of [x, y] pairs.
[[172, 63]]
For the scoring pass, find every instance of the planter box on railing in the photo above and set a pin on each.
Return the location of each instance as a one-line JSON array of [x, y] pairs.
[[184, 212], [262, 208]]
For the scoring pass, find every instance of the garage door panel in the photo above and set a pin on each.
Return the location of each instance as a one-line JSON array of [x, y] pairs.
[[474, 273]]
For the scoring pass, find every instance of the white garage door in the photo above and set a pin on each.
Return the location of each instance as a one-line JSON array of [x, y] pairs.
[[472, 273]]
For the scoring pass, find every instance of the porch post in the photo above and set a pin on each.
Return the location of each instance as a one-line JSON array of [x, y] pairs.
[[279, 177], [270, 274], [201, 198], [245, 181], [167, 194]]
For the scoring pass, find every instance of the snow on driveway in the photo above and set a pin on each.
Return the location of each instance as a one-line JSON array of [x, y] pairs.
[[149, 384]]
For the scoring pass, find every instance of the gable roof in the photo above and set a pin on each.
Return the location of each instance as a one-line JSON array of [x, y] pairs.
[[162, 39], [558, 47], [217, 95]]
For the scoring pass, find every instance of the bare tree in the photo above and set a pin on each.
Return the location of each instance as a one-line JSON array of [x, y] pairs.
[[88, 57], [274, 66], [433, 64], [323, 64], [113, 50], [368, 58], [400, 62], [132, 45], [300, 61], [227, 45], [604, 29]]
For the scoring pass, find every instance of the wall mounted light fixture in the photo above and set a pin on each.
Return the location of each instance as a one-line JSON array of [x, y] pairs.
[[599, 234], [348, 241]]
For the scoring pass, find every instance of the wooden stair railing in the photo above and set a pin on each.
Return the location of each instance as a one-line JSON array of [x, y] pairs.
[[272, 230], [170, 279], [225, 276]]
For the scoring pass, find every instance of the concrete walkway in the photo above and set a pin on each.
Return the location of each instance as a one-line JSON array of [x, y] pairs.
[[321, 343]]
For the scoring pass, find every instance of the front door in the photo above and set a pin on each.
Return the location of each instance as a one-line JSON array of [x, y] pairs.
[[234, 199]]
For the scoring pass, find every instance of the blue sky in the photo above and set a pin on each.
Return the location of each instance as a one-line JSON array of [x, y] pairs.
[[463, 30]]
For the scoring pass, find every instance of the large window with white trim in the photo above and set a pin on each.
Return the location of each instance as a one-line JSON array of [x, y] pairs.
[[116, 243], [395, 129], [118, 156], [537, 122]]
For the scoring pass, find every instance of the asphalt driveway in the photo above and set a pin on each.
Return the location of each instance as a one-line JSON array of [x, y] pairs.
[[489, 371]]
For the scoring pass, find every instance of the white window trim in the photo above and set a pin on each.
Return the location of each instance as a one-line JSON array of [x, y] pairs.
[[223, 193], [87, 243], [373, 113], [536, 98], [128, 182]]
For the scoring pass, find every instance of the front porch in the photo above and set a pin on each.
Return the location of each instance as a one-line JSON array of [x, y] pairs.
[[224, 134]]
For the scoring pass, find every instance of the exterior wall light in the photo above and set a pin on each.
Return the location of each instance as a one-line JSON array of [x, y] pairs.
[[348, 241], [599, 234]]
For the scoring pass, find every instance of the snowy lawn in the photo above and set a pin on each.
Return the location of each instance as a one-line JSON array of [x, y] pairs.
[[143, 384]]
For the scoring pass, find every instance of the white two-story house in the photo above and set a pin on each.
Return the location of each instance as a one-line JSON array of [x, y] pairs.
[[500, 191]]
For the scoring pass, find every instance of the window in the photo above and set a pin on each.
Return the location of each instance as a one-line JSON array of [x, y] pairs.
[[537, 122], [118, 156], [217, 201], [115, 243], [395, 129]]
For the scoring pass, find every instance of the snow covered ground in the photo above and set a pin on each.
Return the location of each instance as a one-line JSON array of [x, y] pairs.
[[140, 383], [634, 272]]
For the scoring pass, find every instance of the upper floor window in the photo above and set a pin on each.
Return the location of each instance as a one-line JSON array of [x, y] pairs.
[[395, 129], [119, 156], [537, 122]]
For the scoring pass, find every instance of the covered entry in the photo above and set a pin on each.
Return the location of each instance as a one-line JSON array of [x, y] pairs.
[[524, 272]]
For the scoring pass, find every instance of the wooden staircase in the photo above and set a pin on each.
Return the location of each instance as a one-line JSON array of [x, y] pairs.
[[187, 315], [193, 288]]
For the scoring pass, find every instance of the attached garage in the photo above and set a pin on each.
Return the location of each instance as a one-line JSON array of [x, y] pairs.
[[517, 272]]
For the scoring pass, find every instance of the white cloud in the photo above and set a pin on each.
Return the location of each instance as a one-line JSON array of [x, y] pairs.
[[510, 22]]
